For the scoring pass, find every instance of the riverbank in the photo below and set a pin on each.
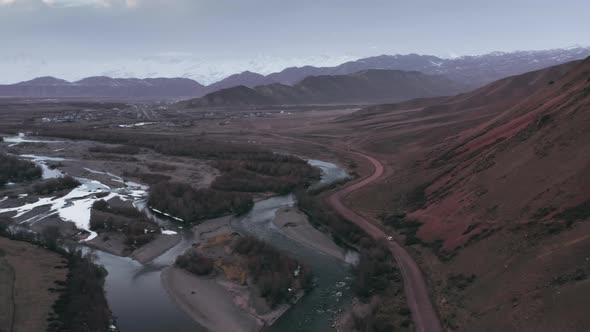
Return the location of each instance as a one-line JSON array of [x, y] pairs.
[[114, 244], [294, 224], [224, 301], [206, 301], [27, 273]]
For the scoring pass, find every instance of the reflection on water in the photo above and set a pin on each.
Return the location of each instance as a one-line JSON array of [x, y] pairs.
[[137, 298]]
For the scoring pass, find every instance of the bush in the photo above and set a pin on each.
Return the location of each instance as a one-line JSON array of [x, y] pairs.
[[82, 306], [13, 169], [242, 181], [52, 185], [195, 263], [375, 271], [342, 230], [132, 223], [272, 271], [191, 205], [274, 172], [279, 176], [576, 213], [5, 222]]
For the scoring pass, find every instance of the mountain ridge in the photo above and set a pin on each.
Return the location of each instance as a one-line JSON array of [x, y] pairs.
[[472, 70], [368, 86]]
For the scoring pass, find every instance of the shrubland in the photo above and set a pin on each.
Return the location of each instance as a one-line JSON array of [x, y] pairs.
[[138, 230], [192, 205], [13, 169], [53, 185]]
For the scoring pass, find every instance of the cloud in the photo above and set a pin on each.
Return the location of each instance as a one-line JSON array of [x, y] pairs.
[[74, 3], [132, 3]]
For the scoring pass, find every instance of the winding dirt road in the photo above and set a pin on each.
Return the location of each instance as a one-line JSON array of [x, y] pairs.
[[423, 313], [417, 296]]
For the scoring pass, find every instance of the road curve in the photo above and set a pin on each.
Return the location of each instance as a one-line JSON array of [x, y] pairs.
[[417, 296]]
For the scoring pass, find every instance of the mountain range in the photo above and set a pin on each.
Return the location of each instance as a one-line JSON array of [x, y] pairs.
[[472, 71], [367, 86], [102, 86]]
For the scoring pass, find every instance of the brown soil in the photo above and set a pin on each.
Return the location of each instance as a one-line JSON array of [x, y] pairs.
[[27, 272]]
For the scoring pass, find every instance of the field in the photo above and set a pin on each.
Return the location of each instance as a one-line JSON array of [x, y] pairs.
[[27, 272]]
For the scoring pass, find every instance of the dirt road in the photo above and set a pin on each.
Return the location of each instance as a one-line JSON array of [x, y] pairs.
[[423, 312]]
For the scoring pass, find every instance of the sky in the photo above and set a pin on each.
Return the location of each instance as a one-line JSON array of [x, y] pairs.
[[208, 39]]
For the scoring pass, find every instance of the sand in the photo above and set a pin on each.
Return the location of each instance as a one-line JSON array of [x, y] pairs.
[[215, 302], [115, 245], [295, 225], [155, 248], [206, 302]]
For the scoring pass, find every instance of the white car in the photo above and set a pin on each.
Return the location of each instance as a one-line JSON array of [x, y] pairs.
[[390, 238]]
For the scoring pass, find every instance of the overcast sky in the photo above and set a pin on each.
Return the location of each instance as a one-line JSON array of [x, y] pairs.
[[68, 36]]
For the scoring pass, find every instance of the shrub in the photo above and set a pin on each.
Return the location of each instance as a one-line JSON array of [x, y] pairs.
[[342, 230], [281, 176], [191, 205], [52, 185], [195, 263], [272, 271], [375, 271], [82, 306], [132, 223], [576, 213], [13, 169]]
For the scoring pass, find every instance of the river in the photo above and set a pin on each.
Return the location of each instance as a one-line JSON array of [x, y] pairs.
[[140, 304]]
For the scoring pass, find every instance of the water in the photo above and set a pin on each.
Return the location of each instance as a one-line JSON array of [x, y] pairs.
[[330, 173], [332, 276], [21, 138], [41, 161], [139, 302], [136, 296]]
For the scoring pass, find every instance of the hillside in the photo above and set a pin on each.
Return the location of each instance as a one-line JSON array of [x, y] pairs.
[[368, 86], [505, 161], [247, 78], [239, 96], [495, 190]]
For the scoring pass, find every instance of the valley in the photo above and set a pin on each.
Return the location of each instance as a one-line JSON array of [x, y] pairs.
[[461, 210]]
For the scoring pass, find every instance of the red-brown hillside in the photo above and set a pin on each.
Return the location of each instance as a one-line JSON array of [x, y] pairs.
[[498, 181], [528, 163]]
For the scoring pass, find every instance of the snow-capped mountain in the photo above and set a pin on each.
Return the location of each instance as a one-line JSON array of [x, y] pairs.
[[22, 67], [472, 70], [93, 79]]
